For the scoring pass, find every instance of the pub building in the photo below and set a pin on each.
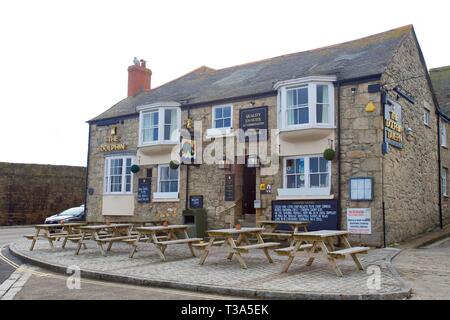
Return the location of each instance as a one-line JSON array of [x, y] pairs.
[[350, 134]]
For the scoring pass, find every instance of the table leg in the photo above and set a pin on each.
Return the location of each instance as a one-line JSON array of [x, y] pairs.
[[80, 243], [266, 251], [312, 254], [206, 252], [134, 245], [232, 246], [238, 242], [330, 259], [291, 256], [192, 249], [358, 264], [160, 251], [99, 244], [36, 235], [50, 241]]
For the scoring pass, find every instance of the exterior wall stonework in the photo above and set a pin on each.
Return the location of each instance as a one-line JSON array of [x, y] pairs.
[[410, 175]]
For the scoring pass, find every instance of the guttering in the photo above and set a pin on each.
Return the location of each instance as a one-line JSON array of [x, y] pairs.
[[304, 80]]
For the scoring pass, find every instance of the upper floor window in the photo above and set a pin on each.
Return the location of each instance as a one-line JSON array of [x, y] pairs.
[[159, 123], [118, 176], [443, 134], [222, 116], [426, 117], [306, 102]]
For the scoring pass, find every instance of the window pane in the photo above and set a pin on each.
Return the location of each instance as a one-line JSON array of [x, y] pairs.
[[303, 116], [314, 180], [290, 98], [291, 181], [218, 113], [164, 173], [324, 180], [290, 167], [300, 181], [314, 164], [164, 186], [300, 165], [302, 96], [322, 94], [173, 174], [154, 137], [173, 186], [155, 117], [323, 165], [219, 123], [322, 113], [227, 112], [227, 122], [146, 120]]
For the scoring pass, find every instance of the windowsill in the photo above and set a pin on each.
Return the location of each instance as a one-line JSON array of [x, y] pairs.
[[166, 200], [305, 197], [165, 197], [309, 132], [157, 143], [219, 133], [118, 194], [307, 126]]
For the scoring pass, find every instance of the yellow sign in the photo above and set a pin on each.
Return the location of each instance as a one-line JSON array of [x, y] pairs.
[[112, 142], [262, 186]]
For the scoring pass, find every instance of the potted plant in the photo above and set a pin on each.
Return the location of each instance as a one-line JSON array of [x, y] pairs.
[[135, 168], [173, 164], [329, 154]]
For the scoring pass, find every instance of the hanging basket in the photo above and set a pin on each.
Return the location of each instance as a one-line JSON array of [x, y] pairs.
[[135, 168], [329, 154], [174, 164]]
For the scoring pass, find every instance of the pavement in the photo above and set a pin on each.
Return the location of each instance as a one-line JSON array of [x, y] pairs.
[[223, 277]]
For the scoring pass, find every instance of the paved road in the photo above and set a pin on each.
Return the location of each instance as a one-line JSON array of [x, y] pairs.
[[47, 285], [427, 270]]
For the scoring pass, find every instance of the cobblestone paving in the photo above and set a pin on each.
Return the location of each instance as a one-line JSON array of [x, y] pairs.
[[428, 269], [218, 271]]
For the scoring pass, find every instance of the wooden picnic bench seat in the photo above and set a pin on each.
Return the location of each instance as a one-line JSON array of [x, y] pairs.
[[348, 251], [286, 251], [258, 246], [121, 238], [186, 240], [276, 234], [203, 245]]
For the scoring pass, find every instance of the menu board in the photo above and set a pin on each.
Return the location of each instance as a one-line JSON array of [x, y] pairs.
[[322, 214], [196, 202], [144, 190], [229, 187]]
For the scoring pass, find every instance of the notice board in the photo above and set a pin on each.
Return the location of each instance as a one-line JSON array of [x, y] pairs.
[[322, 214]]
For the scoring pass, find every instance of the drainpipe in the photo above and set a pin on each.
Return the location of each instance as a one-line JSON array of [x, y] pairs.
[[383, 210], [187, 170], [87, 173], [438, 118], [338, 145]]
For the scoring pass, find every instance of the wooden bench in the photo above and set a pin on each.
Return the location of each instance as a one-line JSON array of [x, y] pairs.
[[340, 254], [203, 245], [187, 240], [287, 251], [121, 238], [257, 246]]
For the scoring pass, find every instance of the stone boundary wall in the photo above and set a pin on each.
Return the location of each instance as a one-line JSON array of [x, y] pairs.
[[31, 192]]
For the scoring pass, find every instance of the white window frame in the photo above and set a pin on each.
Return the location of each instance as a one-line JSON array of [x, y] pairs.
[[166, 195], [426, 116], [213, 125], [311, 82], [443, 134], [107, 176], [307, 190], [160, 108], [444, 175]]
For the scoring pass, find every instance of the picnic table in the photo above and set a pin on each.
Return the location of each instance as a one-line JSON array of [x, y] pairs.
[[272, 225], [236, 247], [322, 242], [43, 231], [152, 235], [114, 232]]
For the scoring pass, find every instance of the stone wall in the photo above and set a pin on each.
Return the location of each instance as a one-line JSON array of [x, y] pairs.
[[445, 161], [411, 174], [30, 192]]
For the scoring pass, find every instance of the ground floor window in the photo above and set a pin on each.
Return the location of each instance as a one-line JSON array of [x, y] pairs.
[[306, 175], [168, 182], [118, 176]]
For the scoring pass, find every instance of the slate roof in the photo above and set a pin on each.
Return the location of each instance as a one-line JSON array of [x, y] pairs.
[[440, 79], [363, 57]]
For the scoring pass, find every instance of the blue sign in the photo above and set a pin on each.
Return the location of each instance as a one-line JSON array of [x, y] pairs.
[[144, 190]]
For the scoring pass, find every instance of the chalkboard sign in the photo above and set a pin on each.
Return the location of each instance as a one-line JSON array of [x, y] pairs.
[[322, 214], [229, 187], [144, 190], [196, 202]]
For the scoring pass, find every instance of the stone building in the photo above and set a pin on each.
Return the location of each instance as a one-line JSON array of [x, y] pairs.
[[345, 136]]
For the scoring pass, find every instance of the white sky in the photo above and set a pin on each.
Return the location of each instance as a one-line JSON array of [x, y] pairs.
[[64, 62]]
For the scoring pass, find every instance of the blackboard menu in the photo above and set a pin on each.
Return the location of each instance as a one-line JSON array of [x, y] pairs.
[[322, 214], [229, 187], [196, 202], [144, 190]]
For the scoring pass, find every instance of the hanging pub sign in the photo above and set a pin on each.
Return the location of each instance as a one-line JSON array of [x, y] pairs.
[[405, 94], [393, 128], [144, 190], [113, 142], [187, 151], [254, 118], [322, 214]]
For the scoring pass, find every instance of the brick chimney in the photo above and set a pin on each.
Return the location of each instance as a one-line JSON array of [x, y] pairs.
[[139, 78]]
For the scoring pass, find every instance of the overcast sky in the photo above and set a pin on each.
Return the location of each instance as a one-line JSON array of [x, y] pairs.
[[65, 62]]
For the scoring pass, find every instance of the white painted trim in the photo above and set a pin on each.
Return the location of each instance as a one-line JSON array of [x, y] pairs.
[[159, 196], [163, 104], [304, 80], [331, 196], [176, 137], [170, 194], [106, 190]]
